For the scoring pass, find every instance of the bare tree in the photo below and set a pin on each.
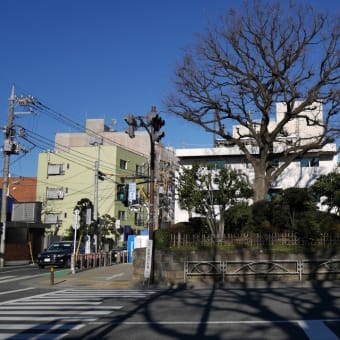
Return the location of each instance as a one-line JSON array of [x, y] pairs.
[[263, 54]]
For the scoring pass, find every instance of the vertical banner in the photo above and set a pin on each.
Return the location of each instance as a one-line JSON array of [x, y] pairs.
[[132, 191], [88, 216], [130, 246], [148, 260]]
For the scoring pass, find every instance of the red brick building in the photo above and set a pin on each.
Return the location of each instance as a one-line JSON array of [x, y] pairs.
[[22, 189], [23, 240]]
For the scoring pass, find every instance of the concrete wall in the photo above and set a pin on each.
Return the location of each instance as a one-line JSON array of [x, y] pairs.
[[169, 265]]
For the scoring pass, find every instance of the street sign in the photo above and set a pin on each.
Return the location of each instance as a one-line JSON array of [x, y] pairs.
[[148, 260], [75, 224]]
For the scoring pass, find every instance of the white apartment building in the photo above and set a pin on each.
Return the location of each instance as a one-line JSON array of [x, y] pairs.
[[300, 173]]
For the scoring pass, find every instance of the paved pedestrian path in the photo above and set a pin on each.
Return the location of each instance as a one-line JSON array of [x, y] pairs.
[[115, 276]]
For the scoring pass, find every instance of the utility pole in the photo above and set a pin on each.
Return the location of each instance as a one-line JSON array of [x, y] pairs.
[[10, 147], [95, 204], [96, 142], [152, 124]]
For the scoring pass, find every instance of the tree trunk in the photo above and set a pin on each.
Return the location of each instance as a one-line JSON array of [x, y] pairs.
[[260, 186], [221, 225]]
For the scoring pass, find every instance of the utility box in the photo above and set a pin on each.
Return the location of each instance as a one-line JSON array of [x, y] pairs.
[[29, 212]]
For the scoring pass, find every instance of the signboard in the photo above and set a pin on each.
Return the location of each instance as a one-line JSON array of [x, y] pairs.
[[148, 260], [132, 192], [88, 216], [87, 239], [130, 246], [76, 218]]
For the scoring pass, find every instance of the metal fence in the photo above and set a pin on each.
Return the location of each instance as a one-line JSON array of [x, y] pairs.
[[254, 240], [92, 260], [102, 259], [229, 270]]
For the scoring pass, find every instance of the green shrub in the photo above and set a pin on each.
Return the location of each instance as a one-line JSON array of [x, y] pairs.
[[162, 239]]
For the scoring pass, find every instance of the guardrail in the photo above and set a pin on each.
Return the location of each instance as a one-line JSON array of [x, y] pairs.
[[226, 270], [92, 260], [102, 259], [120, 256]]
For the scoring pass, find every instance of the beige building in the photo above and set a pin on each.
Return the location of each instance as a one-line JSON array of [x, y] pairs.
[[68, 174]]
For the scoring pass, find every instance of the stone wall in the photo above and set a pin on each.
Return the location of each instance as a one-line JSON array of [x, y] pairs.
[[169, 264]]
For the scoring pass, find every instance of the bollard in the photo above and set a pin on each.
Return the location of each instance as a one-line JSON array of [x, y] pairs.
[[52, 276]]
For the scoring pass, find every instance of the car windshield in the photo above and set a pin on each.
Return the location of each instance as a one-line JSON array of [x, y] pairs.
[[60, 246]]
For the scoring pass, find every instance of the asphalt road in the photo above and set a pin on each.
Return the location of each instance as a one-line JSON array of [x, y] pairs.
[[288, 312], [291, 313]]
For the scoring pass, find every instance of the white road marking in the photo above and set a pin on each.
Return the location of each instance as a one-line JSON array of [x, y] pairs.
[[54, 312], [47, 318], [6, 277], [63, 308], [316, 329], [18, 278], [40, 326], [16, 290], [114, 276], [71, 303]]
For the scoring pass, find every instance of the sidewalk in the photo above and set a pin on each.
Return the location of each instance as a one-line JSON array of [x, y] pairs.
[[116, 276], [119, 276]]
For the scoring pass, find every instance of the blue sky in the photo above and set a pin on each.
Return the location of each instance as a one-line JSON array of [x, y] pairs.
[[99, 59]]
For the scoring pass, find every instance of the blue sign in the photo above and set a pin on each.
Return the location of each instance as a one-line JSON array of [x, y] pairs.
[[130, 246]]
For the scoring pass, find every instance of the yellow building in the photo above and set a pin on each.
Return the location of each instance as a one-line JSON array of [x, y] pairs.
[[92, 166]]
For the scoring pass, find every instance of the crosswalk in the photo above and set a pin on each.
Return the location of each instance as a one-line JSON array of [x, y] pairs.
[[52, 315]]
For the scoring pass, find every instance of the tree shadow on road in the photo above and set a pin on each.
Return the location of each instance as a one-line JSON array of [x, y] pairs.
[[251, 310]]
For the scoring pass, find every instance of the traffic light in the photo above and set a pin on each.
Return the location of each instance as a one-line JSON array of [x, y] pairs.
[[131, 131], [123, 193], [1, 228], [156, 124], [157, 136], [132, 123]]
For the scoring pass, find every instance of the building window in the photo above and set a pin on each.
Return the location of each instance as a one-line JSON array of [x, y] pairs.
[[55, 169], [217, 163], [309, 162], [139, 170], [52, 217], [55, 193], [123, 164], [121, 215], [139, 221]]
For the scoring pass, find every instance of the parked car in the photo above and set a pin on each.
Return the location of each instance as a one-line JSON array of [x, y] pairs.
[[57, 254]]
